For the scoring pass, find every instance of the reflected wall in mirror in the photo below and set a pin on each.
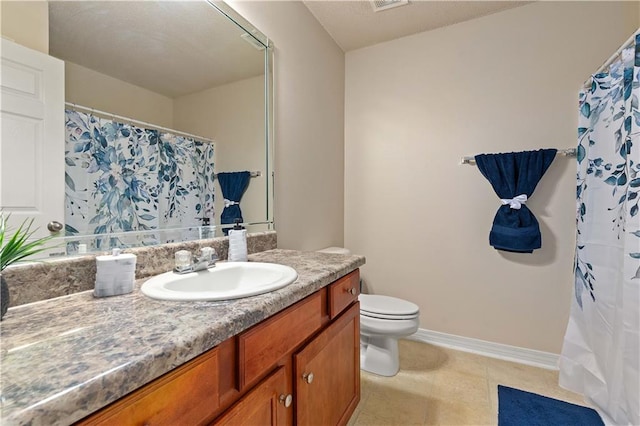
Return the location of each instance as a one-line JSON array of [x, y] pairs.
[[158, 95]]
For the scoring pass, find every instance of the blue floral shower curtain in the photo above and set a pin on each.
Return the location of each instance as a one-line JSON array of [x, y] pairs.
[[122, 178], [600, 352]]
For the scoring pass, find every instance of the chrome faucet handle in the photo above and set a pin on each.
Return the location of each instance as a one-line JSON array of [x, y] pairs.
[[206, 253], [186, 263], [183, 261], [214, 257], [209, 254], [206, 260]]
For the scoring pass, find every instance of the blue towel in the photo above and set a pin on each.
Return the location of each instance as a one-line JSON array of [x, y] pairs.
[[233, 185], [514, 177]]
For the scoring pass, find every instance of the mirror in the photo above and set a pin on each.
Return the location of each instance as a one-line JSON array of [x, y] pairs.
[[159, 95]]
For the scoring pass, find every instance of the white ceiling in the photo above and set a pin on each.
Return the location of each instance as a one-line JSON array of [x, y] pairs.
[[354, 24], [179, 47], [169, 47]]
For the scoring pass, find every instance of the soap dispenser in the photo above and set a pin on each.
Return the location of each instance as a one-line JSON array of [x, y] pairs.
[[115, 274], [237, 243]]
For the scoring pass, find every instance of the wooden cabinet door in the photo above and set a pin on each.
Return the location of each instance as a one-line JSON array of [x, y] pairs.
[[262, 346], [187, 395], [261, 406], [327, 373]]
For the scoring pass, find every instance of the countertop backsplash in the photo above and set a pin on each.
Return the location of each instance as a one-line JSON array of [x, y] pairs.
[[32, 282]]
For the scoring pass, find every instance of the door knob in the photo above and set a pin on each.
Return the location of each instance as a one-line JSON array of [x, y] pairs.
[[352, 291], [286, 400], [55, 226], [308, 377]]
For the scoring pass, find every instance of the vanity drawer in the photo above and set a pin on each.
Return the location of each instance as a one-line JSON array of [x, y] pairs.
[[343, 292], [186, 395], [262, 346]]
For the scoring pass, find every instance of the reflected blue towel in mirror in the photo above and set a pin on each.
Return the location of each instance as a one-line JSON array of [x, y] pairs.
[[514, 177], [232, 185]]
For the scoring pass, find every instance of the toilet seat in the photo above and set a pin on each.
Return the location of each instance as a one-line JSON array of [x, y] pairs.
[[387, 307], [388, 317]]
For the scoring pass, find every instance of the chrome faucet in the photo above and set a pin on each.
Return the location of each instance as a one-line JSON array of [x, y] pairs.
[[186, 263]]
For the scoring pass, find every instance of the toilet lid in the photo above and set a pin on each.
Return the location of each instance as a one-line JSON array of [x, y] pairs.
[[375, 305], [387, 317]]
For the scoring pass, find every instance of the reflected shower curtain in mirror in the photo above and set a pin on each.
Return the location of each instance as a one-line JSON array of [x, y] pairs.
[[123, 178], [232, 185], [600, 351]]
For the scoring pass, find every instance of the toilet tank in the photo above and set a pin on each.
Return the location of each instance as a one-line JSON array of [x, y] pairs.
[[335, 250]]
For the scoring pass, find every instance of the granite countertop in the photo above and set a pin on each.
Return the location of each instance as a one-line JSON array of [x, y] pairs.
[[67, 357]]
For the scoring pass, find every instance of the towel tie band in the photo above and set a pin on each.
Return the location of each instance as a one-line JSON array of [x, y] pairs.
[[515, 202], [228, 203]]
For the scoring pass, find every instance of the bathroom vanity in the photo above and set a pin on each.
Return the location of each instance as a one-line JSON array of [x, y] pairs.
[[286, 357]]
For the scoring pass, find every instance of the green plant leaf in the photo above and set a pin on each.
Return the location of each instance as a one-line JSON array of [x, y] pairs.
[[20, 244]]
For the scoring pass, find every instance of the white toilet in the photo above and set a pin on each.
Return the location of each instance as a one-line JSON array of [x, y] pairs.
[[383, 320]]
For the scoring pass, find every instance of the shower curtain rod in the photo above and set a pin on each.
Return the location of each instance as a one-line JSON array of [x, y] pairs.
[[142, 123], [569, 152], [613, 57]]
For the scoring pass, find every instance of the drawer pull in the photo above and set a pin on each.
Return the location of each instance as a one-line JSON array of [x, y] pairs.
[[308, 377], [352, 291], [286, 400]]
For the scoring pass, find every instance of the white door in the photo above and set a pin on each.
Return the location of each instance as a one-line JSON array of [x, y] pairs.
[[32, 136]]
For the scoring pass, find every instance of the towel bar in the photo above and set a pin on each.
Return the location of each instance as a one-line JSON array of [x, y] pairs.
[[569, 152]]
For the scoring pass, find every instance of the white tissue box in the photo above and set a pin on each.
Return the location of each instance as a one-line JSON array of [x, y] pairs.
[[115, 274]]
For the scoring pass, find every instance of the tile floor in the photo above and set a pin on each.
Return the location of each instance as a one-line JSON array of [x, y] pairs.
[[440, 386]]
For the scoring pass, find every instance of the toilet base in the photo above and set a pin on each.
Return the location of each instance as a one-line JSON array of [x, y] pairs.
[[379, 355]]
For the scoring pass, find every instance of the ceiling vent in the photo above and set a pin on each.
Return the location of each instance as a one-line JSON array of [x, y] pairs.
[[380, 5]]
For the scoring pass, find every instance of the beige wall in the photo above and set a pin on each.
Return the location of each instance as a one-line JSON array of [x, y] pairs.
[[232, 115], [414, 106], [86, 87], [26, 23], [309, 124]]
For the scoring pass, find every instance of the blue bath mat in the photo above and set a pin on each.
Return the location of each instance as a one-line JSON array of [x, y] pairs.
[[520, 408]]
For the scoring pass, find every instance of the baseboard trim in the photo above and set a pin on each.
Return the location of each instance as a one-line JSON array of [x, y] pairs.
[[494, 350]]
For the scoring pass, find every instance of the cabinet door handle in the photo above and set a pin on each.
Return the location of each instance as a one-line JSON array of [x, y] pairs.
[[286, 400], [352, 291], [308, 377]]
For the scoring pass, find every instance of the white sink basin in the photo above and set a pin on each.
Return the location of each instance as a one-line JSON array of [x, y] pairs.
[[227, 280]]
